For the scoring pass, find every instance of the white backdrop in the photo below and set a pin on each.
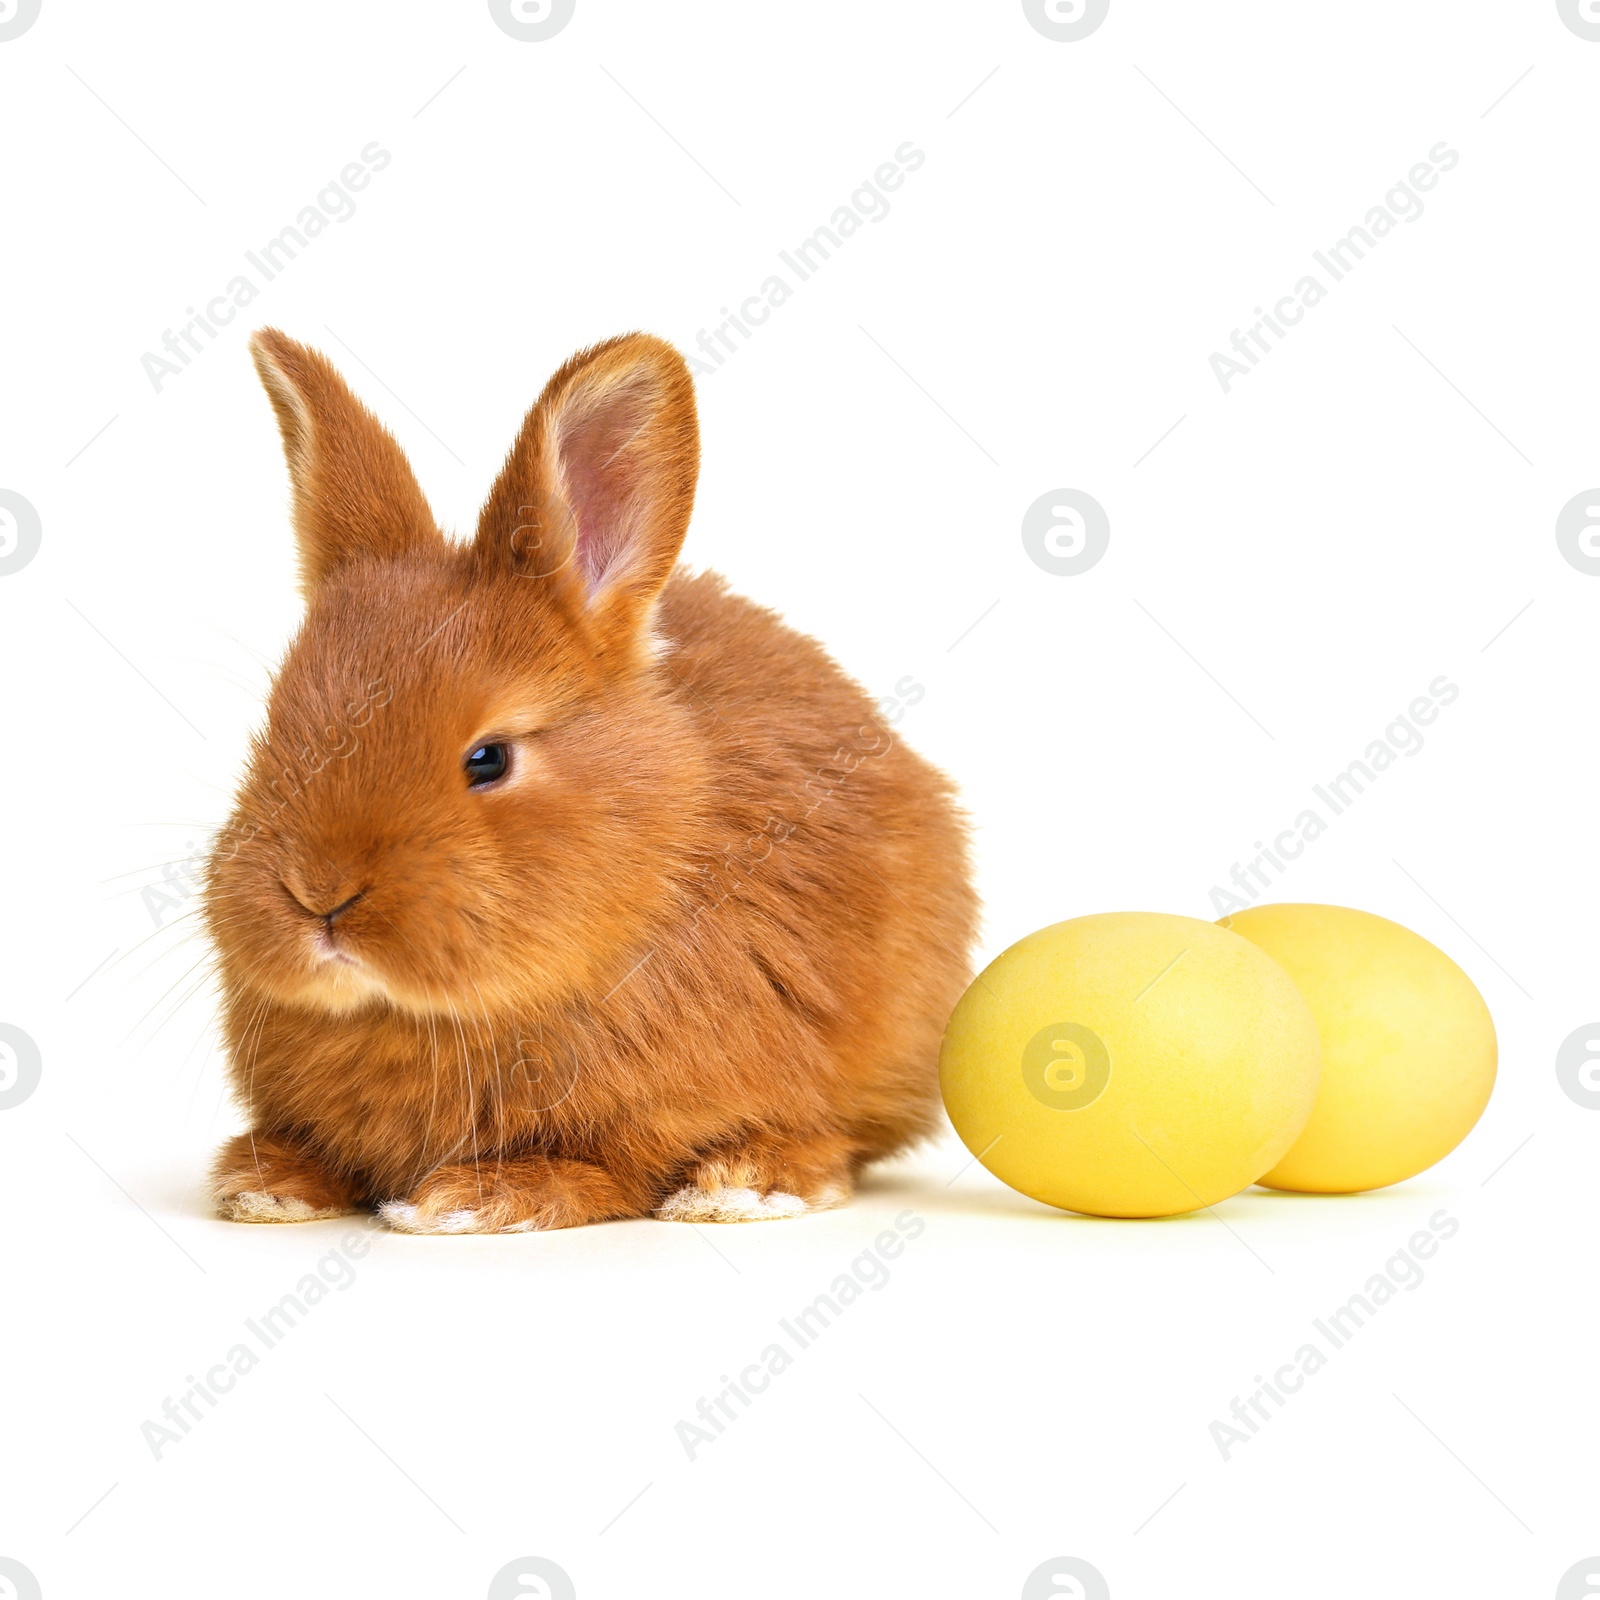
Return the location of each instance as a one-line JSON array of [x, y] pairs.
[[1292, 560]]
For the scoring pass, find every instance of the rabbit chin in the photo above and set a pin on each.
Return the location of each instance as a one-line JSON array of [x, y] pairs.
[[339, 984], [333, 983]]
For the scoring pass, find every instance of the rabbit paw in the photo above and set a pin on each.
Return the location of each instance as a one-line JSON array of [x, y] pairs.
[[261, 1178], [693, 1204], [526, 1195], [404, 1217], [254, 1205], [767, 1181]]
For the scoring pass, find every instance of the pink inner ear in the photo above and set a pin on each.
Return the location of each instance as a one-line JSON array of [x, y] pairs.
[[604, 475]]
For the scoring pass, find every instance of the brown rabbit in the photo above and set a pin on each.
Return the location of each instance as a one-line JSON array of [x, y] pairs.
[[564, 886]]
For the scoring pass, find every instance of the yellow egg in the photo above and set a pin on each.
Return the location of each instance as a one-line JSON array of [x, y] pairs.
[[1408, 1046], [1130, 1064]]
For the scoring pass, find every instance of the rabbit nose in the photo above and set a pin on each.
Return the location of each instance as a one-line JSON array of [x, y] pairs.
[[308, 900], [332, 915]]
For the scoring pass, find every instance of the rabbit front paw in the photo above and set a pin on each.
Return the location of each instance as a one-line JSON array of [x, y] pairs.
[[525, 1195], [694, 1204], [259, 1177], [257, 1205], [768, 1179]]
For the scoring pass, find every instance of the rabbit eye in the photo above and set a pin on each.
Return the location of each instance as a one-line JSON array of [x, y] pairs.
[[486, 763]]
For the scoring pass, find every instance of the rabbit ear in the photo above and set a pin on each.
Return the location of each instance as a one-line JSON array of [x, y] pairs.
[[596, 493], [354, 493]]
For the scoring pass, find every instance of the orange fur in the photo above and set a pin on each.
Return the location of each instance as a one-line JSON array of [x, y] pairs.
[[701, 940]]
